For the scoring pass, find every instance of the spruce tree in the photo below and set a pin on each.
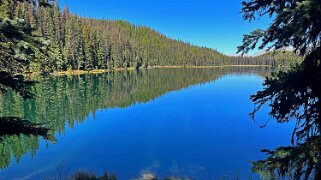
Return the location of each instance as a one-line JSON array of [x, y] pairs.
[[293, 95]]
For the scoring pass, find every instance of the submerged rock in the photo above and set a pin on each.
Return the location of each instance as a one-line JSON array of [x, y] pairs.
[[147, 176]]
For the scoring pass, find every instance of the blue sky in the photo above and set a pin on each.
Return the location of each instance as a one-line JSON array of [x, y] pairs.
[[217, 24]]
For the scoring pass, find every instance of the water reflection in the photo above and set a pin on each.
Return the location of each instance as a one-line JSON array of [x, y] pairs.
[[69, 100]]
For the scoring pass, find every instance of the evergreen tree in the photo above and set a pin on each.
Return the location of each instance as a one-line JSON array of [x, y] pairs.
[[293, 95], [18, 47]]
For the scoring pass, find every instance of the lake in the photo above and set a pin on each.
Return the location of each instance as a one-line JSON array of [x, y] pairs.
[[169, 122]]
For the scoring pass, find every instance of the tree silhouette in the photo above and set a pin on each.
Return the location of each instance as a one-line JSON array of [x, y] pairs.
[[18, 47], [293, 95]]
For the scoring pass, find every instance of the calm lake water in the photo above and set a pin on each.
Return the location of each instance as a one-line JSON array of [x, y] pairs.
[[170, 122]]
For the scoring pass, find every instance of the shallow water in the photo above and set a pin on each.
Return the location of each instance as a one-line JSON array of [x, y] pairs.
[[169, 122]]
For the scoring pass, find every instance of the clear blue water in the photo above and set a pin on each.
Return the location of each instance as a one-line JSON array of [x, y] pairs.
[[201, 130]]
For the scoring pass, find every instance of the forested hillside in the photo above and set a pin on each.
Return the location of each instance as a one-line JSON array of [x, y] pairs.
[[78, 43], [72, 42]]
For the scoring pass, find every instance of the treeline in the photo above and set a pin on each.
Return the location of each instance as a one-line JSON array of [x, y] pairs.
[[277, 58], [78, 43]]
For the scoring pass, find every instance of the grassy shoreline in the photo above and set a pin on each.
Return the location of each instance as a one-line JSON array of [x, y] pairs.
[[80, 72], [97, 71]]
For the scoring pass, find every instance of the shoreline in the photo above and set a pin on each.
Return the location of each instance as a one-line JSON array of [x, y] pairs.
[[99, 71], [194, 67]]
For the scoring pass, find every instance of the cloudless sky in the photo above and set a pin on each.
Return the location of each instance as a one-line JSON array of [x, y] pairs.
[[217, 24]]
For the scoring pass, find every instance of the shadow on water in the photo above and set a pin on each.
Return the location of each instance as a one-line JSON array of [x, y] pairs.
[[68, 100], [11, 126]]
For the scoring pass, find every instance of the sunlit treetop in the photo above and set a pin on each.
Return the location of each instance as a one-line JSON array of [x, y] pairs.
[[39, 2]]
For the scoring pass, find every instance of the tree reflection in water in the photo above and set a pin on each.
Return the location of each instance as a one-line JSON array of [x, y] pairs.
[[68, 100]]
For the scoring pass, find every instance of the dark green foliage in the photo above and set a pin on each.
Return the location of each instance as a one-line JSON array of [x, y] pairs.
[[293, 95], [18, 47]]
